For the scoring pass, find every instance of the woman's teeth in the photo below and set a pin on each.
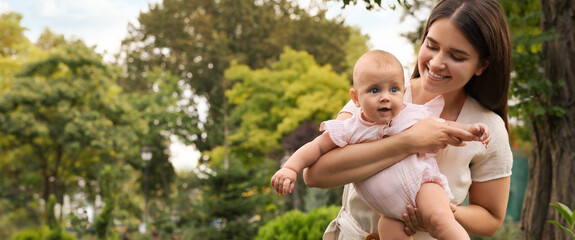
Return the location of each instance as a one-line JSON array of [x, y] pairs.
[[435, 75]]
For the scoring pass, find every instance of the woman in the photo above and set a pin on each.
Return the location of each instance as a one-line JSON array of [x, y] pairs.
[[465, 57]]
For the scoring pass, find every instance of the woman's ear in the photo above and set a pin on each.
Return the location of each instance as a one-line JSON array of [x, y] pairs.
[[354, 97], [481, 68]]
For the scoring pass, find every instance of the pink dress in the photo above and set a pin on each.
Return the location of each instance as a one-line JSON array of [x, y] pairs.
[[389, 191]]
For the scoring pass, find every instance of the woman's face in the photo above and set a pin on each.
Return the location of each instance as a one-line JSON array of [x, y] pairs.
[[447, 60]]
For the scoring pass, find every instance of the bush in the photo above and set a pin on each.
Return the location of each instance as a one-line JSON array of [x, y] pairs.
[[42, 233], [297, 225]]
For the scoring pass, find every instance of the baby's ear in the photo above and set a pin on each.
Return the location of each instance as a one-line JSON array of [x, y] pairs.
[[354, 97]]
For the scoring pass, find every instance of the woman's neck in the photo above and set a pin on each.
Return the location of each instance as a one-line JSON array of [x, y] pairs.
[[453, 100]]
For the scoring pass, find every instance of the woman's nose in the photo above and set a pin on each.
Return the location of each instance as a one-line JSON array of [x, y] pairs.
[[438, 61]]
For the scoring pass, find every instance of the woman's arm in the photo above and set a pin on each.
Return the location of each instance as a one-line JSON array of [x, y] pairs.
[[484, 214], [358, 161], [487, 206]]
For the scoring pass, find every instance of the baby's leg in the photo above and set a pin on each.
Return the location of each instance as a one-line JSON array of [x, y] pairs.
[[391, 229], [433, 203]]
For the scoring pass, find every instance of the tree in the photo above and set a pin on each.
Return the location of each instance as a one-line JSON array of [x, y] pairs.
[[230, 204], [197, 40], [271, 105], [371, 4], [12, 41], [167, 113], [268, 104], [64, 116], [65, 122], [551, 172]]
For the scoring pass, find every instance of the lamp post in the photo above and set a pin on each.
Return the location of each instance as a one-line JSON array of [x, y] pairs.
[[146, 156]]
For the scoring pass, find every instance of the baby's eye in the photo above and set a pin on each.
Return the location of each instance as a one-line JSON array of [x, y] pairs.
[[374, 90], [394, 89]]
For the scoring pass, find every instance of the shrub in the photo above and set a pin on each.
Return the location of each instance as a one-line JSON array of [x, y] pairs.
[[42, 233], [297, 225]]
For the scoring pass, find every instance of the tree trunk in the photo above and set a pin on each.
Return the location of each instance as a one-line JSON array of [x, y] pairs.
[[552, 165]]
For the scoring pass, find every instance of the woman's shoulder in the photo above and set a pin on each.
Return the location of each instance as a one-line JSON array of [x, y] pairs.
[[474, 112], [497, 159]]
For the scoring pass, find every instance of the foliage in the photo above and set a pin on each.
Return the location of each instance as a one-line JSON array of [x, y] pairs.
[[67, 115], [529, 88], [197, 40], [229, 204], [42, 233], [65, 125], [354, 48], [297, 225], [17, 215], [12, 40], [568, 216], [104, 219], [520, 138], [269, 103], [50, 214], [166, 116], [372, 4], [315, 198]]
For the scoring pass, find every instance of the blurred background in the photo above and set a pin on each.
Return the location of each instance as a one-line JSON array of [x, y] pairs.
[[166, 119]]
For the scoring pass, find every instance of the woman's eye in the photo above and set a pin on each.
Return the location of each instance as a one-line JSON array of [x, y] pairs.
[[458, 59], [430, 47], [374, 90]]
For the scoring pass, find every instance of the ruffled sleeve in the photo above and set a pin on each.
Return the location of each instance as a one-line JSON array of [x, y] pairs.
[[435, 106], [336, 131]]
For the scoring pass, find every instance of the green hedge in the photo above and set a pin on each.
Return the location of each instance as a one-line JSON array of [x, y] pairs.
[[42, 233], [298, 226]]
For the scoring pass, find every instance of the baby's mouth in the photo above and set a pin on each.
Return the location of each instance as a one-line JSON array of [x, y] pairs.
[[383, 110]]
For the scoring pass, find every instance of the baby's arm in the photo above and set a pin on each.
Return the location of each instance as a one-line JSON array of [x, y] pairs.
[[480, 130], [284, 179]]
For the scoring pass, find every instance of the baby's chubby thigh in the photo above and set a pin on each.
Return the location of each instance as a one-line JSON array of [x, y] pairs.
[[392, 189]]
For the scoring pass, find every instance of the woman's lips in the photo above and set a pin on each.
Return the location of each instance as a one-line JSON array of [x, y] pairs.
[[435, 75]]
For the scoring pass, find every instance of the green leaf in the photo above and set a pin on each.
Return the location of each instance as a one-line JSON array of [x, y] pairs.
[[565, 212], [539, 110], [571, 233], [520, 48]]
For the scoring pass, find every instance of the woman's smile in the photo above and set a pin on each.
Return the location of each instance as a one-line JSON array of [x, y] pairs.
[[435, 75]]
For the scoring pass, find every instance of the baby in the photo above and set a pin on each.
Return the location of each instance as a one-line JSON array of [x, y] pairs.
[[378, 88]]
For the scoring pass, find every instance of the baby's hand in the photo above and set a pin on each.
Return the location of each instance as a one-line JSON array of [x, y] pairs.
[[284, 180], [481, 131]]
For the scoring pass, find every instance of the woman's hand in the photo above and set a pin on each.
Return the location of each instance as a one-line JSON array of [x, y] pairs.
[[429, 136], [414, 221]]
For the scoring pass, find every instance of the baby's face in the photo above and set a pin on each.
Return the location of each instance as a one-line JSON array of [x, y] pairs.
[[380, 93]]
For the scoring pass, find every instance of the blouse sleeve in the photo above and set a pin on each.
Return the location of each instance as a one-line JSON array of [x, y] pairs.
[[498, 159]]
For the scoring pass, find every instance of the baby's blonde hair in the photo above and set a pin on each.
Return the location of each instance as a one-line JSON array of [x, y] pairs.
[[374, 58]]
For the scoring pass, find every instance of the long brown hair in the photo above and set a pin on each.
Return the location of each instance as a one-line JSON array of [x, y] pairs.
[[483, 24]]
